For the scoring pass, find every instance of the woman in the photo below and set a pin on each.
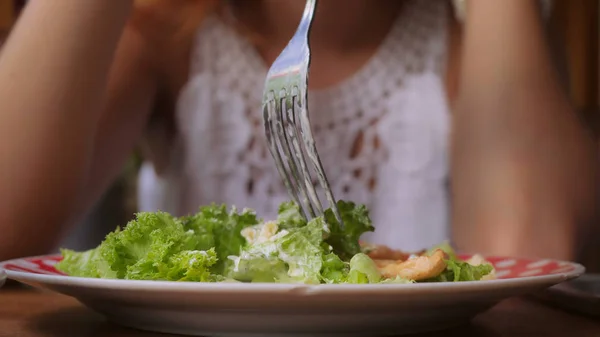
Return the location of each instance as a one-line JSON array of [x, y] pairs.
[[83, 82]]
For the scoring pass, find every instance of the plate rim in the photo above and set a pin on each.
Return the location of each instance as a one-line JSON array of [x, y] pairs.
[[297, 288]]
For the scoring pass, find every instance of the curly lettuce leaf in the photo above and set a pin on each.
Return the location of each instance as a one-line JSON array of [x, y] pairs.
[[188, 266], [356, 222], [147, 243], [85, 264], [151, 237], [140, 251], [218, 228]]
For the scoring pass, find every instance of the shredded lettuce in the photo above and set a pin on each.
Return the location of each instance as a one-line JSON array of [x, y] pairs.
[[301, 251], [397, 280], [312, 252], [363, 270], [298, 248], [255, 267], [446, 248], [290, 216], [457, 270], [344, 242], [334, 270]]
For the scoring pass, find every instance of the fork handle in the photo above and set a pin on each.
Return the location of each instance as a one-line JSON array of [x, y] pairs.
[[309, 11]]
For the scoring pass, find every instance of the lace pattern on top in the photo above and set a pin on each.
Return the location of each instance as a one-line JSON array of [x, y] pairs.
[[381, 134]]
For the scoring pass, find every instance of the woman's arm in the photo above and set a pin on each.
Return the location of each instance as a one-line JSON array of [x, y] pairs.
[[523, 164], [73, 103]]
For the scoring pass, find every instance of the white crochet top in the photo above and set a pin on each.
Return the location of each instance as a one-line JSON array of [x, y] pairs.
[[395, 106]]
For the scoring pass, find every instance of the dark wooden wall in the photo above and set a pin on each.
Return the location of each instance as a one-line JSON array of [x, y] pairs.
[[576, 23]]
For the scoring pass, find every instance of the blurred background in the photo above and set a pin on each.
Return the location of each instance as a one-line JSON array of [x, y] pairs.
[[575, 31]]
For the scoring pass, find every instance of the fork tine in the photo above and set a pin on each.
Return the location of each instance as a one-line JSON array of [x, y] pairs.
[[282, 143], [292, 137], [311, 150], [294, 133], [286, 138], [269, 120], [286, 121]]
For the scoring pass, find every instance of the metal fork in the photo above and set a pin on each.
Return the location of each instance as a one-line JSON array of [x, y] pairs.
[[286, 122]]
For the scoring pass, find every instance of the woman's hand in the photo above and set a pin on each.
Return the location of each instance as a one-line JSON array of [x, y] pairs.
[[523, 164]]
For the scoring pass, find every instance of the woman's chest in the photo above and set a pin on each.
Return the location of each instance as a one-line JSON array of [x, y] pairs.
[[382, 134]]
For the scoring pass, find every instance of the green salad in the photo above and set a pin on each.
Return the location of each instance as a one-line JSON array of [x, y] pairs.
[[218, 244]]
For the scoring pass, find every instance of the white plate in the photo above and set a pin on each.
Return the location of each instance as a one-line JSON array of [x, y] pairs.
[[236, 309], [2, 277]]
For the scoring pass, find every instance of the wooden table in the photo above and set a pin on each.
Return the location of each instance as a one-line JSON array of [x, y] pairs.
[[29, 313]]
